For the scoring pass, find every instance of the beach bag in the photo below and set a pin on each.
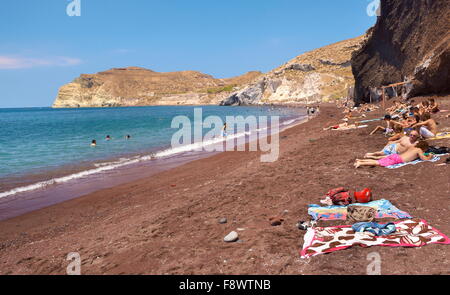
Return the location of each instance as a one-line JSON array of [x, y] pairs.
[[360, 214], [364, 196], [342, 199], [334, 191]]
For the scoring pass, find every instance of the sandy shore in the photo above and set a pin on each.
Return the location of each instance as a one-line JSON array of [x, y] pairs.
[[168, 223]]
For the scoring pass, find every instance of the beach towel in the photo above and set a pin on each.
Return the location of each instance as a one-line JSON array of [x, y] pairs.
[[442, 135], [384, 209], [409, 233], [434, 159], [371, 120]]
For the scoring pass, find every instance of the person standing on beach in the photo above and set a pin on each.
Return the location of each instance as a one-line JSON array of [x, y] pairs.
[[224, 130]]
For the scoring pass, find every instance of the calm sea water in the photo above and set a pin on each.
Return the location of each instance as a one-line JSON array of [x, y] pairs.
[[38, 140]]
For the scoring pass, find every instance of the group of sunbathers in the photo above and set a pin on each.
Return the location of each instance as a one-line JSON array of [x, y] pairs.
[[408, 127], [350, 114], [405, 118]]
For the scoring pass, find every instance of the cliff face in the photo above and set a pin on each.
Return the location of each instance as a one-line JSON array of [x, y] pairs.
[[135, 86], [319, 75], [410, 42]]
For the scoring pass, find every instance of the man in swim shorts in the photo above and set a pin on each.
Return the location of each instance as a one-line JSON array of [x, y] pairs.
[[396, 147], [389, 126], [413, 153]]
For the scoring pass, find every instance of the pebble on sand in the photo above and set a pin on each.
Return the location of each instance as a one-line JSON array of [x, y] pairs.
[[223, 220], [231, 237], [276, 221]]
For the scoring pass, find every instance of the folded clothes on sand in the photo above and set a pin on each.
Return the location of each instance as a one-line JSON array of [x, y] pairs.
[[384, 209], [361, 213], [434, 159], [408, 233]]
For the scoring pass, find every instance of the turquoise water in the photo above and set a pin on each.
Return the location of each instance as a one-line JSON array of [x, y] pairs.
[[37, 140]]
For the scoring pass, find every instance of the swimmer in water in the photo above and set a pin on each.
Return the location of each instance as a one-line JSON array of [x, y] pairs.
[[128, 137], [108, 137], [94, 142]]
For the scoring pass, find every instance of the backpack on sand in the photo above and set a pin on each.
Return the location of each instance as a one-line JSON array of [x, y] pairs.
[[339, 196]]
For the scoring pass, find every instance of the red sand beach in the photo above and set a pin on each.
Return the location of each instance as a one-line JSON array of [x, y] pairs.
[[168, 223]]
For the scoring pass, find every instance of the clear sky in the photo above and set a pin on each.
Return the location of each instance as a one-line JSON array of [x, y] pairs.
[[42, 48]]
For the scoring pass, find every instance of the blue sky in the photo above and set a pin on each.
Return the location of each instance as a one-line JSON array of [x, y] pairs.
[[42, 48]]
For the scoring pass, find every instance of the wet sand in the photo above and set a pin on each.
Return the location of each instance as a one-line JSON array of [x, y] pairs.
[[168, 223]]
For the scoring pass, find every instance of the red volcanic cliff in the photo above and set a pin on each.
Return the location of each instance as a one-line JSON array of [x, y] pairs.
[[410, 42]]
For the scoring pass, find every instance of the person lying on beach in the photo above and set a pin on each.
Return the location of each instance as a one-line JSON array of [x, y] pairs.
[[347, 111], [396, 147], [397, 108], [368, 108], [389, 126], [393, 108], [341, 126], [350, 116], [412, 154], [427, 126]]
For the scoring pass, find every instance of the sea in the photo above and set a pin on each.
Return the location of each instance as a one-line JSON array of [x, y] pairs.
[[46, 155]]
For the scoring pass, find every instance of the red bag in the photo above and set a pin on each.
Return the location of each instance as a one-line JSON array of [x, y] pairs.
[[364, 196], [335, 191], [342, 199]]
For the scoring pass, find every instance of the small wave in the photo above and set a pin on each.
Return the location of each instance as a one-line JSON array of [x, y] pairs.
[[107, 166], [289, 122]]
